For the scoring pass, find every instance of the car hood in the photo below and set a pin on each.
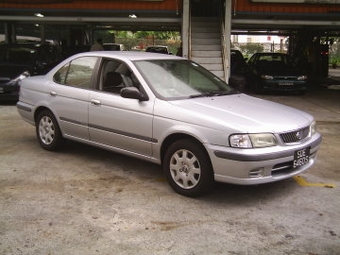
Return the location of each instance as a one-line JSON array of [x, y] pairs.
[[279, 71], [242, 113], [12, 70]]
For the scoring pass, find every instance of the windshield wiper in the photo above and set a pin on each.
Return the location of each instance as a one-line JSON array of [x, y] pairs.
[[206, 94], [214, 93], [197, 95]]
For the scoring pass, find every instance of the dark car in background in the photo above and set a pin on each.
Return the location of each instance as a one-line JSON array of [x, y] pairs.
[[18, 61], [158, 49], [276, 72]]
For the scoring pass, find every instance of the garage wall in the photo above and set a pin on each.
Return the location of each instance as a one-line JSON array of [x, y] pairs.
[[93, 5], [248, 6]]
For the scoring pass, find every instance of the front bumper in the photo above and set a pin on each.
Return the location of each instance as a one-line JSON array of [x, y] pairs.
[[257, 166], [26, 111], [284, 85], [9, 92]]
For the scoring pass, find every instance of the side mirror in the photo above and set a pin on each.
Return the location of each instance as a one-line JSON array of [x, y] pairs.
[[134, 93]]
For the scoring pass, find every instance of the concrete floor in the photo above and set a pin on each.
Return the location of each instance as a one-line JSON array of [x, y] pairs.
[[85, 201]]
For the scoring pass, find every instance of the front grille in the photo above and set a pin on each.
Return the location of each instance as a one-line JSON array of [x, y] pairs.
[[286, 78], [295, 136], [282, 169], [287, 167]]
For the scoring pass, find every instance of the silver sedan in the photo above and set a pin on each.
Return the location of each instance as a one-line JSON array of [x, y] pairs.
[[170, 111]]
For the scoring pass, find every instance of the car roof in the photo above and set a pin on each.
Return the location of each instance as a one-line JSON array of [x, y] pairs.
[[157, 46], [130, 55], [270, 53], [112, 43], [28, 44]]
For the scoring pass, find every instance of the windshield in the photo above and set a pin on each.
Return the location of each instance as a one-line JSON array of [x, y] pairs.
[[275, 61], [177, 79], [17, 55]]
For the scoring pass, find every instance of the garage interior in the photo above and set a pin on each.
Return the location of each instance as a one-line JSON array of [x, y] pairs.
[[86, 201], [205, 26]]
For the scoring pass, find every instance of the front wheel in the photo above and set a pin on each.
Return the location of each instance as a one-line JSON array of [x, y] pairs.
[[48, 131], [188, 169], [259, 88]]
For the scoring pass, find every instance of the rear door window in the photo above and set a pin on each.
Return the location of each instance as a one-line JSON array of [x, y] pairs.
[[77, 73]]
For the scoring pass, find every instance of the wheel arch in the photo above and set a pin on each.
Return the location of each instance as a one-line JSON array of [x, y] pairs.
[[180, 136], [38, 111]]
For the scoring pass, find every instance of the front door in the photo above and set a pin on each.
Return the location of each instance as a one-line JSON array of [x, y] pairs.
[[124, 125]]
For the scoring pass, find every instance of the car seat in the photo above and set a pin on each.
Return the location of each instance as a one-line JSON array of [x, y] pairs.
[[113, 82]]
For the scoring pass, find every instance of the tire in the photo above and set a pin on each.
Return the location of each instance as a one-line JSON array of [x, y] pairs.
[[238, 82], [188, 169], [48, 131], [301, 92], [259, 88]]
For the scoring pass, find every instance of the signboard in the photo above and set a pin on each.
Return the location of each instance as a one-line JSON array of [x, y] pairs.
[[298, 1], [65, 1]]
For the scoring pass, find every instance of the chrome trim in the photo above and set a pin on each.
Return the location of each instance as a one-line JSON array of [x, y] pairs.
[[119, 132], [24, 108]]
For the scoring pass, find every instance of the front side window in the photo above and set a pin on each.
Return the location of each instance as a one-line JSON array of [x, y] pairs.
[[176, 79], [77, 73], [115, 76]]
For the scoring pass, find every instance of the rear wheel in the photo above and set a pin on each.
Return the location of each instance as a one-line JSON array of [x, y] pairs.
[[188, 169], [48, 131]]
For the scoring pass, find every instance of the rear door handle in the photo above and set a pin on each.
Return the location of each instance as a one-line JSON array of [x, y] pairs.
[[95, 102], [53, 93]]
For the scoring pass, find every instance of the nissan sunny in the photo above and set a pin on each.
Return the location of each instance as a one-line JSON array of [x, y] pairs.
[[170, 111]]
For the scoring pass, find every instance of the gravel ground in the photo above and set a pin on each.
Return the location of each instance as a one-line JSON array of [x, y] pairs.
[[86, 201]]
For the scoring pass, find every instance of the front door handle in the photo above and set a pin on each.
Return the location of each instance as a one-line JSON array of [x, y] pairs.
[[95, 102]]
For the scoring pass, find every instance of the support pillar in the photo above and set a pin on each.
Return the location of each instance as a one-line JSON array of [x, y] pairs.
[[186, 29], [227, 36], [10, 34]]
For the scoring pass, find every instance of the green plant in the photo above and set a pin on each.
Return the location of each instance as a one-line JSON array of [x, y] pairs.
[[251, 48], [334, 63]]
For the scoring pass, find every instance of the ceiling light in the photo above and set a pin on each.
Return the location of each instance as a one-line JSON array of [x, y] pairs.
[[39, 15], [133, 16]]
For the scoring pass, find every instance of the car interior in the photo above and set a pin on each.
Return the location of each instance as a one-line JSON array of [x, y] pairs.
[[116, 75]]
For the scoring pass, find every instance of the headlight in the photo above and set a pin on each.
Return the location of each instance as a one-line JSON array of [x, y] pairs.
[[240, 141], [252, 140], [312, 129], [302, 78], [262, 140], [267, 77]]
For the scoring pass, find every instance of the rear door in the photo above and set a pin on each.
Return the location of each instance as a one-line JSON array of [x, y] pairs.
[[70, 95]]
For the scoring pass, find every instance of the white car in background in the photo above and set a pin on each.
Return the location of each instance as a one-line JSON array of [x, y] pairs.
[[170, 111]]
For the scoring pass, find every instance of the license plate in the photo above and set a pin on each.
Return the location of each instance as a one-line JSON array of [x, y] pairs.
[[285, 83], [301, 157]]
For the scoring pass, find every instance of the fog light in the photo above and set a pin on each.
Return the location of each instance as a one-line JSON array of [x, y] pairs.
[[256, 173]]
